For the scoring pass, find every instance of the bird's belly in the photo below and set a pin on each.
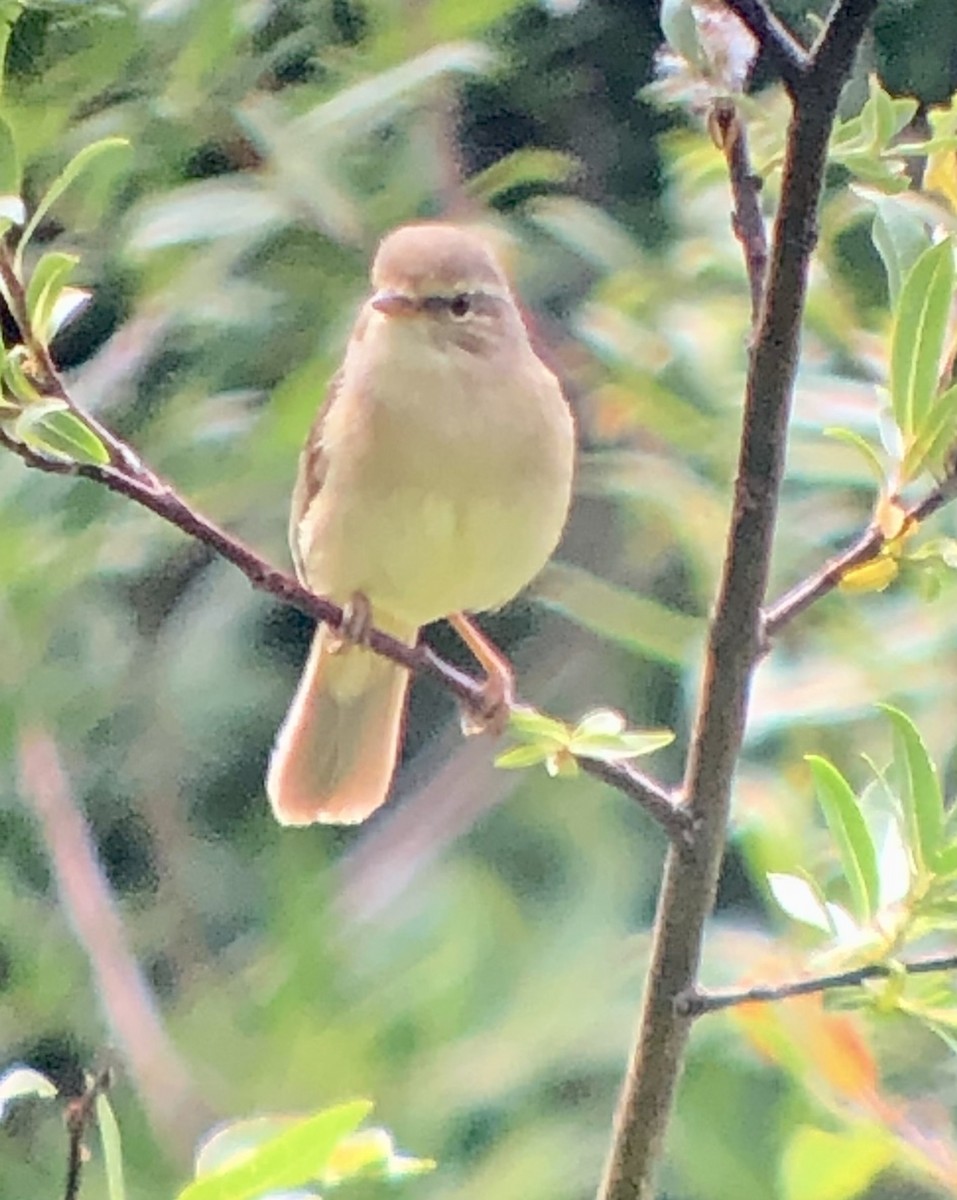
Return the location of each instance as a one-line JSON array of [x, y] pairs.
[[420, 554], [441, 496]]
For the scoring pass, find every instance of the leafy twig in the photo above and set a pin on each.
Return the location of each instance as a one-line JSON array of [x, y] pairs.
[[699, 1001], [799, 598], [735, 635]]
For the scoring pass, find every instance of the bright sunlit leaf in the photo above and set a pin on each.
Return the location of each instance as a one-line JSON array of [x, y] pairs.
[[917, 341], [77, 165], [295, 1156], [63, 433], [112, 1148], [874, 575], [18, 1082], [371, 1153], [833, 1166], [899, 236], [846, 823], [46, 283], [864, 448], [921, 795], [800, 899]]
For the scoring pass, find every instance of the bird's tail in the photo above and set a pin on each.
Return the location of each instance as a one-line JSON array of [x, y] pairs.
[[336, 752]]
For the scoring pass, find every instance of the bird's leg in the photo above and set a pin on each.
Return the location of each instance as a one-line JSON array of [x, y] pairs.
[[355, 626], [498, 689]]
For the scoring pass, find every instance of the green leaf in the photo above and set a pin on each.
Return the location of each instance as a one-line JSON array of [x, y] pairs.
[[294, 1157], [71, 172], [833, 1166], [934, 439], [616, 613], [18, 1082], [883, 116], [846, 823], [112, 1148], [65, 434], [371, 1154], [46, 283], [523, 168], [532, 725], [612, 747], [516, 758], [946, 861], [17, 380], [800, 899], [900, 237], [378, 99], [12, 211], [867, 451], [921, 796], [917, 341]]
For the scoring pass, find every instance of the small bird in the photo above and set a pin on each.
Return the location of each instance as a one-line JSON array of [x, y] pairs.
[[434, 482]]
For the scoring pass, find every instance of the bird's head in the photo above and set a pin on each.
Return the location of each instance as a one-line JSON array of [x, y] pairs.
[[446, 280]]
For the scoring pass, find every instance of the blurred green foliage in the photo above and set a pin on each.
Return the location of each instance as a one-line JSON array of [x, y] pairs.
[[472, 966]]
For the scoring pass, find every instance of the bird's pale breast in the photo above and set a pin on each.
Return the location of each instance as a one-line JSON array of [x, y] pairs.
[[447, 480]]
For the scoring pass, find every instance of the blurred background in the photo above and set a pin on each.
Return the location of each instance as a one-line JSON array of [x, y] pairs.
[[472, 959]]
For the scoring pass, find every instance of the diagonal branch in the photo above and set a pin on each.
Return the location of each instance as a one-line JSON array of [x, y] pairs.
[[129, 477], [778, 45], [735, 635], [699, 1001], [799, 598]]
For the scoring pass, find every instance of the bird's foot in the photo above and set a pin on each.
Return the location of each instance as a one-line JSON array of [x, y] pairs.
[[356, 624], [497, 695]]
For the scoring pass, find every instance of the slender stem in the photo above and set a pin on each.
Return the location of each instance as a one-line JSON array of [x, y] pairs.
[[777, 43], [736, 635], [800, 597], [79, 1115], [699, 1001], [747, 219], [657, 801]]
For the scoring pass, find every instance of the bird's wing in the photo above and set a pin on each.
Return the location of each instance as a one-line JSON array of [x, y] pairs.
[[311, 474]]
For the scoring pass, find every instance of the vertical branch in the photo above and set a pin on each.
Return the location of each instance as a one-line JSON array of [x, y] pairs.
[[733, 647]]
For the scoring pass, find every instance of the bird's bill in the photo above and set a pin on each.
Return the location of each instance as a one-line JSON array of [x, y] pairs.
[[394, 304]]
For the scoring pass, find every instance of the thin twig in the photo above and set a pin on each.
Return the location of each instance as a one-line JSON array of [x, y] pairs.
[[735, 635], [121, 455], [699, 1001], [777, 43], [80, 1113], [656, 800], [800, 597], [747, 220]]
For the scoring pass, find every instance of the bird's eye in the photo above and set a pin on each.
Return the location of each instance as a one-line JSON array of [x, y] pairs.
[[460, 306]]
